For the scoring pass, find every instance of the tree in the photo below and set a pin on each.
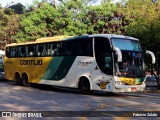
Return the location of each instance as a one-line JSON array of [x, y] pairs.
[[73, 15], [104, 18], [18, 8], [9, 25], [143, 22]]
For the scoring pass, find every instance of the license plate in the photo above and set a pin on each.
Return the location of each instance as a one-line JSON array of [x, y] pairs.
[[133, 88]]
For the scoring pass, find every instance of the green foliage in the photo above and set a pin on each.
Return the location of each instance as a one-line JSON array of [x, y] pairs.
[[38, 23], [73, 17], [9, 25], [142, 18], [138, 18], [18, 8]]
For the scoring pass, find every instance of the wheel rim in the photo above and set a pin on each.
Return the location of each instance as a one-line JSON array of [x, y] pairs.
[[17, 79], [25, 80], [84, 87]]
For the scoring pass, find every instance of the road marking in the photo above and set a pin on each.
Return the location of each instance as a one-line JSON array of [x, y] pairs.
[[122, 118], [83, 118]]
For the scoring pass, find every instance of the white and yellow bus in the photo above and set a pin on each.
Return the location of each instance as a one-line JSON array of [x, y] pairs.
[[88, 62]]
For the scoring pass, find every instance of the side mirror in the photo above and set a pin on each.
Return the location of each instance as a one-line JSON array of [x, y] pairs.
[[152, 56], [118, 53]]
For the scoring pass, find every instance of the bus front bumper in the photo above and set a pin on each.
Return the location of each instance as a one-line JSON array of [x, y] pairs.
[[128, 88]]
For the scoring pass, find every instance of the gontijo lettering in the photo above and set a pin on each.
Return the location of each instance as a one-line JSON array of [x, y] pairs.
[[30, 62]]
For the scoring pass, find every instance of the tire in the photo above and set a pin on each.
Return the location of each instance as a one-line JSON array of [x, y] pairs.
[[25, 80], [84, 86], [18, 79]]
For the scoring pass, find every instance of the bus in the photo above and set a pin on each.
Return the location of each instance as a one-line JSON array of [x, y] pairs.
[[88, 63], [2, 64]]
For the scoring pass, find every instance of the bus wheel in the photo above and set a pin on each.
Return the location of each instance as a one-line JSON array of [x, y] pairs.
[[25, 80], [84, 86], [17, 79]]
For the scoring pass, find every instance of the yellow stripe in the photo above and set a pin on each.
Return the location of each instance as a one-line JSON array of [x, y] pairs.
[[42, 40]]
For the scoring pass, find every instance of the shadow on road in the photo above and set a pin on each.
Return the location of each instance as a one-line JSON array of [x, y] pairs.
[[4, 80], [73, 91]]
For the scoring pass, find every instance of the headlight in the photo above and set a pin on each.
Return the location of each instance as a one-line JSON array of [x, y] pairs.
[[120, 83]]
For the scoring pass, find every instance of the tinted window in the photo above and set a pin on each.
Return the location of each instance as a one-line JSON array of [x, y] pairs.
[[60, 47], [8, 52], [22, 51], [31, 51], [54, 49], [80, 47], [103, 55], [40, 50], [13, 51], [84, 47], [70, 48]]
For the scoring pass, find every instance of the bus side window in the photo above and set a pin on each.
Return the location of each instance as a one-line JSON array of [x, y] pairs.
[[54, 51], [48, 49], [60, 48], [70, 48], [80, 50], [40, 50], [8, 52], [22, 51], [103, 55], [16, 52], [89, 47], [31, 50], [13, 52], [84, 47]]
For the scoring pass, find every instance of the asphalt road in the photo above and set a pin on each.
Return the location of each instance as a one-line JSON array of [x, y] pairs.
[[45, 98]]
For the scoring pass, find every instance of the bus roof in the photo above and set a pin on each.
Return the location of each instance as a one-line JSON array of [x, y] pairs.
[[42, 40], [113, 36], [65, 37], [55, 38]]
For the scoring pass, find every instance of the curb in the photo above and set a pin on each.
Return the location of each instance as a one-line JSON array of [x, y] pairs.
[[157, 91]]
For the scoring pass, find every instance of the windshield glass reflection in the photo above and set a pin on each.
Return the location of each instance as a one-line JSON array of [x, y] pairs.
[[131, 65]]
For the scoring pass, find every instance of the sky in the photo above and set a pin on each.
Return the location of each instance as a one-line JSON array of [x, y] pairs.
[[25, 2]]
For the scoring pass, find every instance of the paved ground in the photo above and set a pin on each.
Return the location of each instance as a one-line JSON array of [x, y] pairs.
[[38, 98]]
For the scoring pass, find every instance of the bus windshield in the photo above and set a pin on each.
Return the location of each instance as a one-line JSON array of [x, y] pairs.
[[126, 44], [132, 64]]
